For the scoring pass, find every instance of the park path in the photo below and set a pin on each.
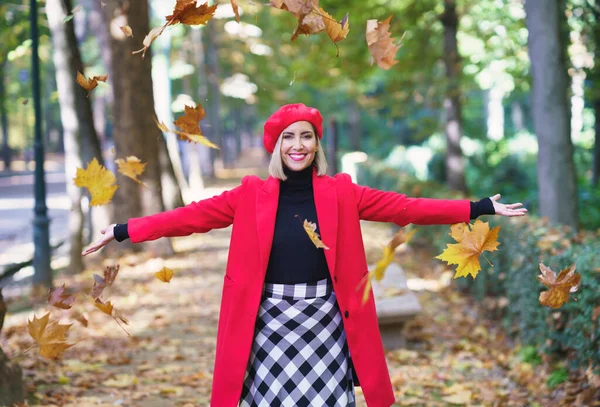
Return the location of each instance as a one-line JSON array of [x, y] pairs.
[[453, 355]]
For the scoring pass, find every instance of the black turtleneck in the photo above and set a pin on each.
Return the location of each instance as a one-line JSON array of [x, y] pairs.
[[294, 258]]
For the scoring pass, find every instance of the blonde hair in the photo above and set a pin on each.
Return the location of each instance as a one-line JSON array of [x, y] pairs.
[[276, 164]]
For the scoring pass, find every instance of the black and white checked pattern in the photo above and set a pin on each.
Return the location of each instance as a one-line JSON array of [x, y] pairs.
[[300, 356]]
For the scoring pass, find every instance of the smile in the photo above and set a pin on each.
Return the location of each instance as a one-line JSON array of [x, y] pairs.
[[297, 156]]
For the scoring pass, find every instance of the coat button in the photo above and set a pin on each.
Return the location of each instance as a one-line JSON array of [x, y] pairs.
[[346, 314]]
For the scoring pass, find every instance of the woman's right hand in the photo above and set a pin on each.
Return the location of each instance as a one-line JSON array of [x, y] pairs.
[[109, 236]]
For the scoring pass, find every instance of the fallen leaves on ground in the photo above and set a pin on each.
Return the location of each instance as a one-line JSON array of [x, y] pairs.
[[131, 167], [98, 180], [90, 84], [559, 286], [473, 240], [382, 46]]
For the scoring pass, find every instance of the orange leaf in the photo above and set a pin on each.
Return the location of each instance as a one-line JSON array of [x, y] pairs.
[[50, 337], [98, 180], [91, 83], [472, 240], [310, 229], [164, 275], [308, 24], [127, 30], [560, 286], [190, 121], [57, 298], [336, 31], [132, 167], [381, 45], [236, 10], [187, 12], [105, 307], [100, 283]]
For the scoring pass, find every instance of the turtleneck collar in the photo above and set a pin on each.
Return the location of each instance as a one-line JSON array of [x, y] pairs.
[[298, 178]]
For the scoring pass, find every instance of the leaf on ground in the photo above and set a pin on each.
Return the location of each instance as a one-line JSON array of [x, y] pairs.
[[127, 30], [310, 229], [51, 337], [388, 255], [381, 45], [98, 180], [560, 286], [100, 283], [472, 240], [58, 298], [236, 10], [164, 275], [189, 13], [90, 83], [132, 167], [462, 397]]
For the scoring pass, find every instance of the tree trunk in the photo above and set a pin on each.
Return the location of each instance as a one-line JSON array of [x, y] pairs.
[[6, 152], [455, 168], [81, 142], [135, 132], [594, 76], [557, 185], [11, 382], [596, 161], [196, 164], [214, 105]]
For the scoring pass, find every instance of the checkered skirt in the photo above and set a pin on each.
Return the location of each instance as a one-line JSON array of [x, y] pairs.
[[300, 356]]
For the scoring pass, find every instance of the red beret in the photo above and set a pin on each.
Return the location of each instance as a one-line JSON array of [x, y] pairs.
[[286, 115]]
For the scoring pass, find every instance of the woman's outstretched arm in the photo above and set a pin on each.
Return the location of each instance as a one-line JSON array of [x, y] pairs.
[[197, 217]]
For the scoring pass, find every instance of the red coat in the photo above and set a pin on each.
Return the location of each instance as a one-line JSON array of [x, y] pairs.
[[251, 208]]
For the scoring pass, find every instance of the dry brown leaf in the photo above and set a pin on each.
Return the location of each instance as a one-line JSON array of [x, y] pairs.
[[189, 122], [298, 7], [336, 31], [187, 12], [560, 286], [59, 299], [105, 307], [100, 283], [164, 275], [50, 337], [132, 167], [98, 180], [381, 45], [127, 30], [236, 10], [91, 83]]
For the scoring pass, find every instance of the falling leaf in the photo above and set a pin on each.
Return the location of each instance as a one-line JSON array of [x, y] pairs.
[[68, 18], [77, 9], [381, 45], [105, 307], [187, 12], [57, 298], [336, 31], [164, 275], [190, 121], [131, 167], [50, 337], [149, 39], [98, 180], [25, 101], [311, 23], [472, 240], [236, 10], [127, 30], [78, 316], [91, 83], [100, 283], [298, 7], [310, 229], [388, 255], [560, 286]]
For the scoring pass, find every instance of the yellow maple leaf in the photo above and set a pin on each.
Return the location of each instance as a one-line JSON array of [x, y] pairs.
[[131, 167], [382, 46], [388, 255], [50, 337], [560, 286], [472, 240], [188, 12], [164, 275], [310, 229], [336, 31], [91, 83], [98, 180]]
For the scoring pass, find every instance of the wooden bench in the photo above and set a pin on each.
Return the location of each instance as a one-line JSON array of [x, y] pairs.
[[395, 304]]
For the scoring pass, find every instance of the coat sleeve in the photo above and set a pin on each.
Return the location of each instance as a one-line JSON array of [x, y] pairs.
[[382, 206], [197, 217]]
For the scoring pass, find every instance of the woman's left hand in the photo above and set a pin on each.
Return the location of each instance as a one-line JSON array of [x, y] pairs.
[[507, 210]]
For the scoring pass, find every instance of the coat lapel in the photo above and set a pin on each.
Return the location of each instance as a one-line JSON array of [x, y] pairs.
[[266, 212], [327, 214]]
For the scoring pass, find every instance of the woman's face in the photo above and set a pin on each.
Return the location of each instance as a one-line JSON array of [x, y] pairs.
[[298, 145]]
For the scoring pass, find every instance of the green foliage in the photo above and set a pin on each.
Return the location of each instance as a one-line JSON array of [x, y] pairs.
[[529, 354], [557, 377]]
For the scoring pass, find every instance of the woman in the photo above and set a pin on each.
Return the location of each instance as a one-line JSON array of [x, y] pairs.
[[292, 329]]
